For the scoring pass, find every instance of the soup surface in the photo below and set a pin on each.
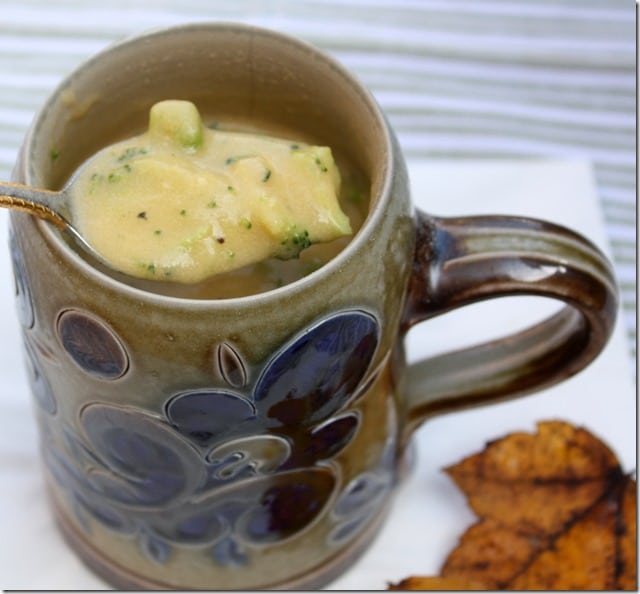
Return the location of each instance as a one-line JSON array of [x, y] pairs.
[[182, 203]]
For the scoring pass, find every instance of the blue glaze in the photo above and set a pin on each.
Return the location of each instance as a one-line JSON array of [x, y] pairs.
[[24, 302], [221, 469], [318, 371], [206, 415], [92, 345], [40, 387]]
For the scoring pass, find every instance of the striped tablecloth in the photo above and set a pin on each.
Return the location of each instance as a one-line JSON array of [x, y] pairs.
[[457, 78]]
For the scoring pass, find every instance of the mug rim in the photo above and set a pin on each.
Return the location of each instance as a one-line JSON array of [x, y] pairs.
[[375, 213]]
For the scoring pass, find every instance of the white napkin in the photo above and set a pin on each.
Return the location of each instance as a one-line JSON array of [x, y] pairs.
[[429, 512]]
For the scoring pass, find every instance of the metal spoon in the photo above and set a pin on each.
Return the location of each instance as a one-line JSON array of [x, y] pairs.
[[45, 204]]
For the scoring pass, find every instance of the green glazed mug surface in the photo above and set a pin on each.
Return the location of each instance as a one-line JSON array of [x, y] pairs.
[[255, 442]]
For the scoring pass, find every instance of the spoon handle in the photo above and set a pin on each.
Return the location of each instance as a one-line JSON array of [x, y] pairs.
[[35, 202]]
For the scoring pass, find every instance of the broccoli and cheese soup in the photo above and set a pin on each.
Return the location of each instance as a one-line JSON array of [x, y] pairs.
[[202, 212]]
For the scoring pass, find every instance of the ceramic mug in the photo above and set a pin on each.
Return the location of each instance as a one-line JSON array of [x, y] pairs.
[[255, 442]]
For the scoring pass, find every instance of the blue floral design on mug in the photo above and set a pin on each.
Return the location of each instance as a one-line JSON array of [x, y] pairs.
[[224, 469], [24, 300]]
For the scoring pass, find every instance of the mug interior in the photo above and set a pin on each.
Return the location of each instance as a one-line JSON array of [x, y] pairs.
[[234, 74]]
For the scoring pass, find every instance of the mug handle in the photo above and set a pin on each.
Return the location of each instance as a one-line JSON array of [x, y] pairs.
[[462, 260]]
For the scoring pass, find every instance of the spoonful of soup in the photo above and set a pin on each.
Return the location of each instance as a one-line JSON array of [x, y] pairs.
[[182, 202]]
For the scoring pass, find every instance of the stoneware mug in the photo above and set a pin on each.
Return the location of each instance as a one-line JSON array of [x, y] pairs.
[[255, 442]]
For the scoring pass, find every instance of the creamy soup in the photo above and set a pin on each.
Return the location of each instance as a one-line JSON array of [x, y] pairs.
[[182, 203]]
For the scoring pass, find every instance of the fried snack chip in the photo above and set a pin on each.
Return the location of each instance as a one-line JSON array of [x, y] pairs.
[[556, 512]]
